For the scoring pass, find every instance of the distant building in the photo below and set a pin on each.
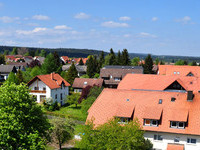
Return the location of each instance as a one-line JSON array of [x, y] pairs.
[[5, 70], [81, 69], [80, 83], [112, 75], [19, 65], [41, 59], [49, 86]]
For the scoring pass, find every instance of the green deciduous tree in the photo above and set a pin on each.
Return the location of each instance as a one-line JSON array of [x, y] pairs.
[[135, 61], [113, 135], [148, 66], [71, 74], [50, 64], [6, 52], [14, 51], [62, 130], [12, 78], [193, 63], [23, 124], [125, 58], [35, 71], [73, 99], [43, 53]]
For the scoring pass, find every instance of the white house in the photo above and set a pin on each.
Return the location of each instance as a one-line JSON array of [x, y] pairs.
[[49, 86]]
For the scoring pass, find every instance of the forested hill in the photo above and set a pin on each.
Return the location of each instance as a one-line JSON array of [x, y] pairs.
[[73, 52]]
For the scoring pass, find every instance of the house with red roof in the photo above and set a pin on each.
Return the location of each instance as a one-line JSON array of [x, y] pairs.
[[49, 86], [167, 108], [179, 70]]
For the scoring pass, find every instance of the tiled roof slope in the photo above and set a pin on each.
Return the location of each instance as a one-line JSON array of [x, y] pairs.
[[180, 70], [157, 82], [52, 80], [120, 71], [140, 103], [83, 82]]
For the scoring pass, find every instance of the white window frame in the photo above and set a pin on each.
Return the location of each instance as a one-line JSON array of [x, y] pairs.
[[151, 122], [177, 125], [123, 120]]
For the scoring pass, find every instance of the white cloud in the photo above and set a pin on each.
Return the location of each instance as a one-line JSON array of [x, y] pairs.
[[40, 17], [127, 35], [62, 27], [29, 32], [184, 20], [124, 18], [154, 19], [112, 24], [6, 19], [146, 35], [82, 16]]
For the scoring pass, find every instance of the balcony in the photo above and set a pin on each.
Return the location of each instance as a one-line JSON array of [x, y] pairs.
[[37, 91]]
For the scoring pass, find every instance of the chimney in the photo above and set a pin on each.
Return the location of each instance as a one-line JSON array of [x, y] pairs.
[[52, 75], [190, 95]]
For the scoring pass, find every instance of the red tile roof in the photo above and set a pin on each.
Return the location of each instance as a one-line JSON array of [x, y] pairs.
[[112, 102], [180, 70], [83, 82], [52, 80], [65, 58], [158, 82], [175, 146], [11, 57]]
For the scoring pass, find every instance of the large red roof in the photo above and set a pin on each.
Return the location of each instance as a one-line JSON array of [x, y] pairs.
[[52, 80], [145, 104]]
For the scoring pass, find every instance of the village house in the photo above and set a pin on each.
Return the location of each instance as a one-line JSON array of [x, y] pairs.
[[179, 70], [112, 75], [80, 68], [5, 70], [49, 86], [19, 65], [167, 108], [80, 83], [65, 59]]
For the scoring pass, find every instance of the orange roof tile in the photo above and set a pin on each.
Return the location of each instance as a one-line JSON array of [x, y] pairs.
[[180, 70], [175, 147], [108, 103], [65, 58], [158, 82], [52, 80]]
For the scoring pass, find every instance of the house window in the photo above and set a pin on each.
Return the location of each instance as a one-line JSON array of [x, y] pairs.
[[61, 96], [111, 77], [123, 120], [173, 99], [174, 72], [150, 122], [117, 79], [176, 139], [191, 140], [56, 96], [176, 124], [42, 98], [85, 83], [160, 101], [178, 72], [36, 88], [44, 88], [157, 137]]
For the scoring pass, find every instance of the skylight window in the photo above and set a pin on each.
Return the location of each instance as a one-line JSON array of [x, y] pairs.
[[173, 99], [85, 83], [160, 101]]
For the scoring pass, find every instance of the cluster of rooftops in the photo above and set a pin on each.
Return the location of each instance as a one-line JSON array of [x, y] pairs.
[[164, 102]]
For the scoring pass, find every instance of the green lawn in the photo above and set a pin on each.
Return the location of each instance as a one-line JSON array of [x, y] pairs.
[[70, 112]]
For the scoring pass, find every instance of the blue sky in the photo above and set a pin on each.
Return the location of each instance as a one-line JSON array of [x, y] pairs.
[[169, 27]]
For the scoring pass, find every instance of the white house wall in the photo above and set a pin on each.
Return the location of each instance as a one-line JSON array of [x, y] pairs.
[[64, 91], [41, 85], [169, 138]]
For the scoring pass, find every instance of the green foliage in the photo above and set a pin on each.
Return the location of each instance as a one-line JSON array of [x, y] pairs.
[[12, 78], [35, 71], [148, 66], [37, 52], [43, 53], [84, 76], [101, 59], [19, 76], [14, 51], [2, 59], [62, 130], [113, 135], [193, 63], [81, 62], [50, 64], [125, 58], [27, 54], [95, 91], [135, 61], [71, 74], [157, 61], [90, 66], [23, 124], [112, 58], [6, 52], [96, 75], [119, 58], [73, 99], [180, 62]]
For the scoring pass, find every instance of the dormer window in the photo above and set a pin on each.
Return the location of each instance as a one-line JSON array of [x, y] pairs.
[[123, 120], [177, 124], [178, 72], [173, 99], [150, 122]]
